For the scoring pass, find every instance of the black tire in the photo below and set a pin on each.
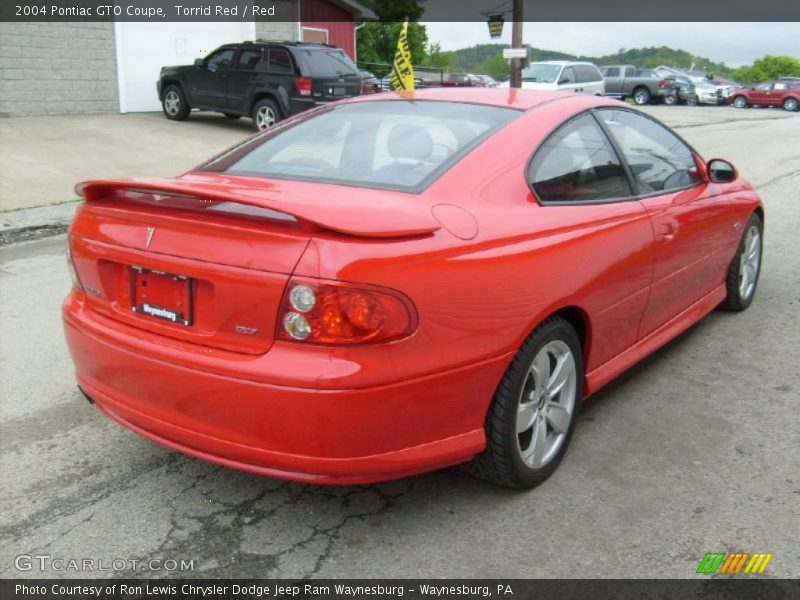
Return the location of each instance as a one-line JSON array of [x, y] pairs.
[[671, 99], [174, 104], [642, 96], [791, 104], [502, 461], [231, 116], [740, 296], [265, 114], [740, 102]]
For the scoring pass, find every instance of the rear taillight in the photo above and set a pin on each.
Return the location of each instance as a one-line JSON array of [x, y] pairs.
[[339, 313], [71, 266], [662, 84], [303, 85]]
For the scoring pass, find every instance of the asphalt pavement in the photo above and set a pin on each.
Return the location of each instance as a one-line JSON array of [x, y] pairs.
[[696, 449]]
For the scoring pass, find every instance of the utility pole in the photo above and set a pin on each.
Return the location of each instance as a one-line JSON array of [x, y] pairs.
[[515, 76]]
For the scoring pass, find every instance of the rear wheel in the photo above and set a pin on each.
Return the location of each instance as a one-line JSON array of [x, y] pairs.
[[265, 114], [671, 99], [790, 104], [532, 416], [174, 104], [740, 102], [745, 267], [641, 96]]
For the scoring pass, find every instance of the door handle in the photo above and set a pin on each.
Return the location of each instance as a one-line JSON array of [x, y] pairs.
[[666, 231]]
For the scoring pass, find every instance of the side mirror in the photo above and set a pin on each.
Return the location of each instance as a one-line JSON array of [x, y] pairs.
[[198, 62], [721, 171]]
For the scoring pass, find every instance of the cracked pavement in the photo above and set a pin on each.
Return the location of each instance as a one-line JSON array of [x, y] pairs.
[[694, 450]]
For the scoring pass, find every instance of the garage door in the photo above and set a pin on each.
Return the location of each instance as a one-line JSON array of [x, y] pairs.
[[143, 48]]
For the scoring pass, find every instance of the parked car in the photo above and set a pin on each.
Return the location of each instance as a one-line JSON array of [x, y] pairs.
[[386, 83], [264, 81], [390, 287], [564, 76], [457, 80], [680, 90], [626, 81], [488, 80], [790, 79], [707, 93], [770, 93], [369, 83]]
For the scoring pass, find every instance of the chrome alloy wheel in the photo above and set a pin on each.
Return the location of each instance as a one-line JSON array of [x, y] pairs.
[[749, 262], [641, 97], [172, 103], [265, 117], [546, 404]]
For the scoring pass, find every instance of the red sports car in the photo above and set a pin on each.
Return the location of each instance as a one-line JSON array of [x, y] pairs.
[[771, 93], [390, 285]]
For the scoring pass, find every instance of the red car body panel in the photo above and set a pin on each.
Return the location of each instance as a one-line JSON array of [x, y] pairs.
[[480, 258]]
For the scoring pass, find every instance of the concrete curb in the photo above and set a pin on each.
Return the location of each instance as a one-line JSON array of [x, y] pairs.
[[34, 223]]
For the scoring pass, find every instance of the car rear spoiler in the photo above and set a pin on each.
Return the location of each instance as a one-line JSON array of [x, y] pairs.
[[385, 216]]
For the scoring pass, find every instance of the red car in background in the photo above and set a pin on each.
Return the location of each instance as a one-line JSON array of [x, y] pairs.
[[770, 93], [389, 285]]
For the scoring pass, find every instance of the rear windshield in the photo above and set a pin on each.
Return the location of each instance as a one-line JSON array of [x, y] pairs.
[[392, 144], [321, 62]]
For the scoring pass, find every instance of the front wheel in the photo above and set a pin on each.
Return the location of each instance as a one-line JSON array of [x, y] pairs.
[[692, 101], [740, 102], [532, 416], [174, 104], [745, 267], [265, 114], [790, 104]]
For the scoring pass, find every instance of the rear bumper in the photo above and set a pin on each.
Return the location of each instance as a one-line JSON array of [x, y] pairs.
[[312, 435]]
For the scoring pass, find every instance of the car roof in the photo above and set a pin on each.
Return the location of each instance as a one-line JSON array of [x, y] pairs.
[[503, 97], [561, 62]]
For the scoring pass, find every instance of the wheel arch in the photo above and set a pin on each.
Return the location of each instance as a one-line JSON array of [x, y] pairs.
[[268, 95], [576, 316], [168, 82]]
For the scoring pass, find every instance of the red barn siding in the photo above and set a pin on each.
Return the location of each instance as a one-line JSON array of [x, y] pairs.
[[322, 14]]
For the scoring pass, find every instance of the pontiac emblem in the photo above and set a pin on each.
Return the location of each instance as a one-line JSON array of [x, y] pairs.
[[150, 232]]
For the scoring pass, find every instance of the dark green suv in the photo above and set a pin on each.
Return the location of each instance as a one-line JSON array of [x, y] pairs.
[[265, 81]]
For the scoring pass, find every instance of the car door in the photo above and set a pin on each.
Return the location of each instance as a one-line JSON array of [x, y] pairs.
[[579, 179], [692, 225], [614, 80], [568, 80], [208, 82], [243, 77], [761, 94]]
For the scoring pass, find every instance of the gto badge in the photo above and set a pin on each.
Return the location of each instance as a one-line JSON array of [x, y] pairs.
[[150, 232], [246, 330]]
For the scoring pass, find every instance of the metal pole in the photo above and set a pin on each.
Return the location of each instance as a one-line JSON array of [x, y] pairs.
[[515, 76]]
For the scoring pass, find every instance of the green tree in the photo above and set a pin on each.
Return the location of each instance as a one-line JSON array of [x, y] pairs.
[[768, 67], [377, 40]]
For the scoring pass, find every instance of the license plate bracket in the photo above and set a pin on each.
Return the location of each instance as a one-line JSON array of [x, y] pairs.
[[161, 295]]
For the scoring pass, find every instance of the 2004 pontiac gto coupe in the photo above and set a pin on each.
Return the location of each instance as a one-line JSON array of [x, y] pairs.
[[390, 285]]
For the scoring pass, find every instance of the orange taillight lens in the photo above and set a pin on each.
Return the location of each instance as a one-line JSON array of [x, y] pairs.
[[336, 313]]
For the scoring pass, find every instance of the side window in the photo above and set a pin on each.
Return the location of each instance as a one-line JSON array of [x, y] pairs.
[[764, 87], [249, 59], [587, 74], [780, 86], [221, 60], [630, 71], [576, 163], [612, 72], [567, 75], [280, 62], [659, 160]]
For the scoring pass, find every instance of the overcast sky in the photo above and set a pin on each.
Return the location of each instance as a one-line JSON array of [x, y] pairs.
[[735, 44]]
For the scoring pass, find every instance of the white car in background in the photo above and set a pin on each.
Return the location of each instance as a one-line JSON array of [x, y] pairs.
[[563, 76]]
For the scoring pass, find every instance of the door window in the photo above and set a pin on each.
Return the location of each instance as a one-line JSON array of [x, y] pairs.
[[612, 72], [659, 160], [249, 59], [567, 76], [587, 74], [222, 59], [280, 62], [577, 163]]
